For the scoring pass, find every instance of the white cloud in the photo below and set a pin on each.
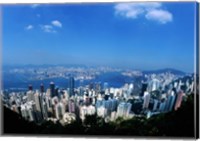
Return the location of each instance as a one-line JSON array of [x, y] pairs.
[[34, 5], [159, 15], [151, 10], [47, 28], [56, 23], [29, 27]]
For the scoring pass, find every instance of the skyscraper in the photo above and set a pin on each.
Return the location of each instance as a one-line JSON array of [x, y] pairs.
[[42, 88], [162, 105], [30, 87], [38, 110], [56, 93], [170, 101], [71, 106], [37, 101], [44, 107], [71, 86], [123, 109], [52, 89], [102, 112], [155, 104], [179, 99], [144, 88], [86, 110], [146, 100], [59, 110], [30, 96]]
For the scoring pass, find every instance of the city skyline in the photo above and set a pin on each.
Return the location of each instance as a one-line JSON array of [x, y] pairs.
[[139, 35]]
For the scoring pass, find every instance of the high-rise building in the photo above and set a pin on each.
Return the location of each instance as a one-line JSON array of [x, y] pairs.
[[153, 85], [144, 88], [27, 111], [30, 96], [30, 87], [106, 96], [37, 101], [44, 110], [71, 86], [59, 110], [162, 105], [146, 100], [170, 101], [48, 102], [155, 105], [52, 89], [101, 112], [98, 87], [113, 104], [24, 111], [176, 85], [86, 110], [83, 112], [130, 90], [99, 103], [57, 92], [108, 105], [123, 109], [38, 105], [42, 88], [113, 116], [179, 99], [71, 106]]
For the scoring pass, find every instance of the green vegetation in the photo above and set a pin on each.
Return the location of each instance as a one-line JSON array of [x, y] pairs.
[[178, 123]]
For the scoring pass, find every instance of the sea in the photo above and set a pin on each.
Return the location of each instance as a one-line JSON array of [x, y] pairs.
[[19, 82]]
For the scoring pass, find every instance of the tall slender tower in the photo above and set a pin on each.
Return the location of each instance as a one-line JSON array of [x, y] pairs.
[[71, 86], [42, 88], [52, 89]]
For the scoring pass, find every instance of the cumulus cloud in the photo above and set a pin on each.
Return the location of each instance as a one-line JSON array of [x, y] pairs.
[[150, 10], [47, 28], [56, 23], [159, 15], [29, 27]]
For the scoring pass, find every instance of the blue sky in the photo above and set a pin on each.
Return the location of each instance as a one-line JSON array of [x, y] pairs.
[[134, 35]]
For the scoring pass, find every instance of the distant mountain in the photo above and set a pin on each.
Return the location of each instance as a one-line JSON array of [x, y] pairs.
[[173, 71]]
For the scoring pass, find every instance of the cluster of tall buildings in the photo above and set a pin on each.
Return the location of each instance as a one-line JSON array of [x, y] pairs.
[[67, 105], [159, 97]]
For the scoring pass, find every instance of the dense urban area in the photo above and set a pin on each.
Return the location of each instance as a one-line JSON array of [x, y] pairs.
[[90, 106]]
